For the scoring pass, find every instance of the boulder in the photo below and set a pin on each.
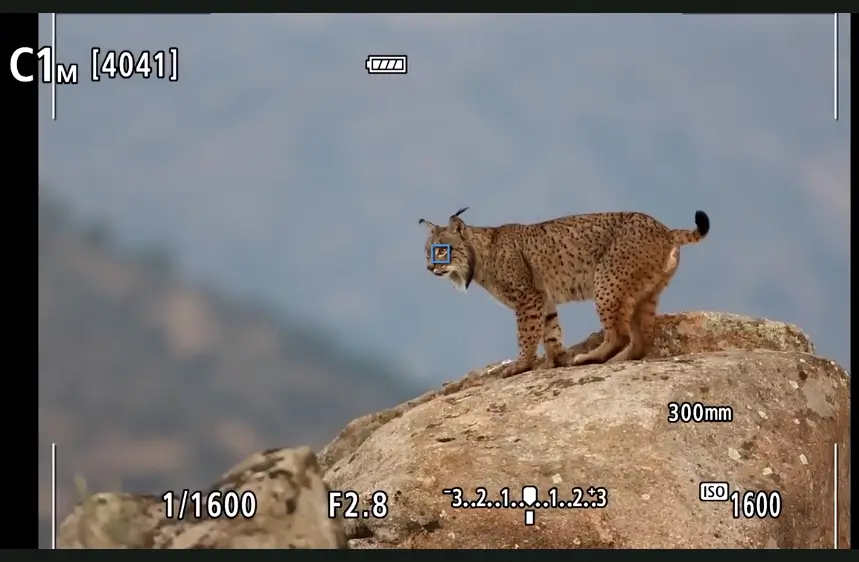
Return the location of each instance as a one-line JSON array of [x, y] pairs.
[[290, 512], [768, 417]]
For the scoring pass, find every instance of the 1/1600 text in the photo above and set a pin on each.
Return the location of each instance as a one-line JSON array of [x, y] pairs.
[[211, 505]]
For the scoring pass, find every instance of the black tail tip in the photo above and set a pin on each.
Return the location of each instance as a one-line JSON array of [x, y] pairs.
[[702, 221]]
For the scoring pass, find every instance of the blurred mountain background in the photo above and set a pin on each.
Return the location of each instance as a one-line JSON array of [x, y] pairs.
[[242, 266], [148, 383]]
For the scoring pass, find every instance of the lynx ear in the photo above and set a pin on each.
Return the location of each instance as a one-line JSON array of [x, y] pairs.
[[455, 224], [428, 224]]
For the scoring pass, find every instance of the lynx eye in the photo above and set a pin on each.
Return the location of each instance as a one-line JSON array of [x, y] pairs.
[[440, 253]]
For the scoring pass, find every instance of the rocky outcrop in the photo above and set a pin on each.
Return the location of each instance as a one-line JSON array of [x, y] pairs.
[[290, 512], [767, 417], [607, 426]]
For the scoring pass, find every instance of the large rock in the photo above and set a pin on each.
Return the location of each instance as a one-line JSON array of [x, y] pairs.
[[291, 508], [607, 426]]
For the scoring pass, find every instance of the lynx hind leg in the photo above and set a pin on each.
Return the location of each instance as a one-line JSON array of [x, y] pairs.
[[553, 339], [647, 315], [530, 320], [615, 310], [643, 322], [646, 321]]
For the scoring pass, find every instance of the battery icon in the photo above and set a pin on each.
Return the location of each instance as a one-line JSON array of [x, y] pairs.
[[387, 64]]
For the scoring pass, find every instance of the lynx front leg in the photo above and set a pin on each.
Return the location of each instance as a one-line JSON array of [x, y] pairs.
[[529, 330], [553, 339]]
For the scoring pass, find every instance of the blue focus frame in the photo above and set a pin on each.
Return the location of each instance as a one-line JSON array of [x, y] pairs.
[[434, 261]]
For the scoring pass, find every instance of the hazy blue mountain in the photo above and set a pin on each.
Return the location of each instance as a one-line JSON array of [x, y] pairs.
[[149, 383]]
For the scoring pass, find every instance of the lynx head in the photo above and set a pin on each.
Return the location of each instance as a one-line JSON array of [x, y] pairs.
[[449, 253]]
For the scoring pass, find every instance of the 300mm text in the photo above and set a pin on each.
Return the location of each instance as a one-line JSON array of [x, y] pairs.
[[684, 412]]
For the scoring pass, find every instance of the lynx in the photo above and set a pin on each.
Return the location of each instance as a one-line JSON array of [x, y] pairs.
[[622, 261]]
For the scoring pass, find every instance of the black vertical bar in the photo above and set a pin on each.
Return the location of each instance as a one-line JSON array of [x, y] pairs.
[[21, 226]]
